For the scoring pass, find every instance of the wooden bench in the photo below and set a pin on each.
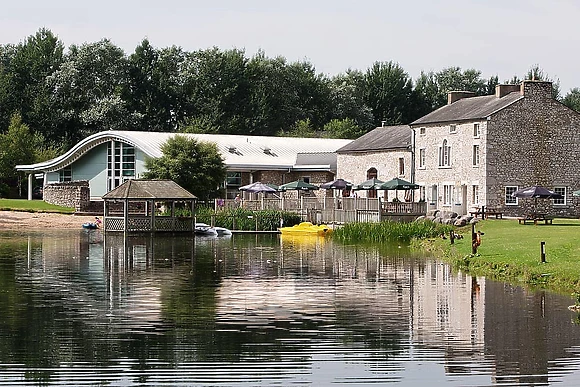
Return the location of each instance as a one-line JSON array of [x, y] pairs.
[[487, 213], [535, 219]]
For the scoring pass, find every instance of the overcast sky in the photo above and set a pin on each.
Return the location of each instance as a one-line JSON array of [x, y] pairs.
[[497, 37]]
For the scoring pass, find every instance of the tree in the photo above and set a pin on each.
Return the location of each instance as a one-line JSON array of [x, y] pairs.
[[196, 166], [572, 99], [388, 93], [346, 128], [17, 146], [347, 100]]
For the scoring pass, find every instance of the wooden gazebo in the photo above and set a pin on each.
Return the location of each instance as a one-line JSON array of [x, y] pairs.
[[149, 206]]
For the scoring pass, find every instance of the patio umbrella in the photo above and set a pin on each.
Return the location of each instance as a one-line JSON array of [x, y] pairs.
[[369, 184], [536, 192], [337, 184], [257, 187], [397, 184], [576, 193], [298, 185]]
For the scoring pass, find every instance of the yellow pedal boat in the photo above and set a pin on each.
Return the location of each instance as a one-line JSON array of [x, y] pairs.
[[306, 228]]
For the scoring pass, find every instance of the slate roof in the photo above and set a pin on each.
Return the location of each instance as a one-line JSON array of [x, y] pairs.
[[317, 160], [469, 109], [381, 138], [150, 189]]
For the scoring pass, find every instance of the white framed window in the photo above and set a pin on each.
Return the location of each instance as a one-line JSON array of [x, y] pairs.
[[475, 194], [509, 199], [447, 194], [401, 166], [65, 174], [422, 131], [452, 128], [444, 154], [475, 155], [561, 191], [422, 158], [476, 130], [422, 193]]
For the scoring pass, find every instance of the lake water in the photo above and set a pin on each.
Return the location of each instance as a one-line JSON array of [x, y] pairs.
[[78, 309]]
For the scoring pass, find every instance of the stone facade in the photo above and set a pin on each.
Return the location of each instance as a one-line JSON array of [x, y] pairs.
[[354, 167], [75, 194], [531, 141]]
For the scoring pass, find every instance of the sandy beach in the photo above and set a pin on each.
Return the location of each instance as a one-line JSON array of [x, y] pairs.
[[16, 220]]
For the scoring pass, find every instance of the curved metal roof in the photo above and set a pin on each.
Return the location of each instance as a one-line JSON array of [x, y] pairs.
[[239, 152]]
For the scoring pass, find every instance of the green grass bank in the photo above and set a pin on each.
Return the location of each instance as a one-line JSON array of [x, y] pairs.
[[32, 206], [512, 252]]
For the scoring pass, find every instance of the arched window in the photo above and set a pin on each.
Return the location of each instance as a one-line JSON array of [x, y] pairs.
[[445, 154]]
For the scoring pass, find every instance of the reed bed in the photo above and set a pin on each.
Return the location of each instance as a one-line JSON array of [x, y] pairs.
[[389, 232]]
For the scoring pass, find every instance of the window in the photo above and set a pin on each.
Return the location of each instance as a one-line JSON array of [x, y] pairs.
[[475, 130], [447, 194], [120, 164], [475, 194], [476, 155], [422, 158], [444, 154], [306, 179], [234, 179], [509, 199], [422, 131], [452, 128], [422, 193], [561, 191], [65, 174], [401, 166]]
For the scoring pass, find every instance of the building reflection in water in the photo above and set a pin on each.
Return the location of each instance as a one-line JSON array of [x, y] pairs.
[[388, 298]]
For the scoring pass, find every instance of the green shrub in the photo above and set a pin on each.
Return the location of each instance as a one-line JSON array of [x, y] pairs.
[[243, 219]]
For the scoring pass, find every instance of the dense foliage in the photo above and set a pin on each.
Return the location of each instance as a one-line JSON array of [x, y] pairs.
[[194, 165], [63, 95], [247, 220]]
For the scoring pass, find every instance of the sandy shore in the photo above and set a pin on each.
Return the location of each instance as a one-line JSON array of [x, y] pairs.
[[16, 220]]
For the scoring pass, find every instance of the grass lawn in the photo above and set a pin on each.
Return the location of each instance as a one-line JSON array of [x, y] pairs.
[[32, 206], [511, 252]]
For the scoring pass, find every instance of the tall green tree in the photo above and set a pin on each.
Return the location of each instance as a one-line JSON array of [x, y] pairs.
[[347, 100], [388, 91], [572, 99], [195, 165], [87, 91], [17, 146]]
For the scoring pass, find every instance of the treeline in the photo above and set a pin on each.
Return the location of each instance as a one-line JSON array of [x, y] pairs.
[[58, 96]]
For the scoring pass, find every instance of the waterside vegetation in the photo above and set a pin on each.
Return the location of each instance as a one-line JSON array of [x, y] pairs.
[[513, 253], [390, 232]]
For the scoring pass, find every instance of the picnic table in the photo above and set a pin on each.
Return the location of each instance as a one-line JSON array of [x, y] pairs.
[[535, 218], [487, 212]]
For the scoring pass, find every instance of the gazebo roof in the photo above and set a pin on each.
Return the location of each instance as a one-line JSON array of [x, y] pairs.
[[149, 189]]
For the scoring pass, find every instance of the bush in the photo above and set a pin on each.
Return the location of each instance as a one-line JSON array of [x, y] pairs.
[[246, 220], [389, 231]]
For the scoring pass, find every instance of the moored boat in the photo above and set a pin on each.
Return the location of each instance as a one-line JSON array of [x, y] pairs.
[[306, 228]]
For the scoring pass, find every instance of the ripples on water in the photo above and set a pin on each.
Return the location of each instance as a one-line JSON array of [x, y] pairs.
[[77, 309]]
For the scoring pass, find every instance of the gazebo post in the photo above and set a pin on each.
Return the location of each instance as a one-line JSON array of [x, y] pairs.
[[126, 215], [152, 213]]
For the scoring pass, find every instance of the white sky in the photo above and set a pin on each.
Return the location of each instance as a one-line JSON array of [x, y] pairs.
[[497, 37]]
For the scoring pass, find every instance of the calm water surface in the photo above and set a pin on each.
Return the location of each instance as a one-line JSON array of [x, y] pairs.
[[78, 309]]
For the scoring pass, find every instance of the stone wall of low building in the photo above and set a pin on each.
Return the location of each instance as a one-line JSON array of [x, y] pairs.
[[353, 167], [534, 141], [75, 194]]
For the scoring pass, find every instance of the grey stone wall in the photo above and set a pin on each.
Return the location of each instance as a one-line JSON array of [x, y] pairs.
[[74, 194], [535, 141]]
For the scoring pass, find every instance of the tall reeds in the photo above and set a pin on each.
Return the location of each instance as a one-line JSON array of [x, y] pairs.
[[389, 232]]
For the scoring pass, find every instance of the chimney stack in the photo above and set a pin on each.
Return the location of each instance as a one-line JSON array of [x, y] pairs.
[[454, 96], [503, 90]]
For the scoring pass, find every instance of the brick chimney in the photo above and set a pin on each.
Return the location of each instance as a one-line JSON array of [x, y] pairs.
[[454, 96], [503, 90]]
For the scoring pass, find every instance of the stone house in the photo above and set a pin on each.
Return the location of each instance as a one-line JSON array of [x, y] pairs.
[[383, 153], [476, 151], [107, 159]]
